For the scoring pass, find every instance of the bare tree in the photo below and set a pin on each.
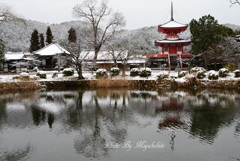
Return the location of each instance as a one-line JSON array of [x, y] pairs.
[[234, 2], [227, 52], [76, 56], [103, 23], [117, 49], [6, 14]]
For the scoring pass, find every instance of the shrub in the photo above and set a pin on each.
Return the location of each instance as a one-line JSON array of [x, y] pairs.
[[24, 75], [197, 69], [237, 73], [134, 72], [163, 75], [115, 71], [213, 75], [101, 73], [223, 72], [68, 72], [182, 74], [42, 74], [145, 72], [201, 74]]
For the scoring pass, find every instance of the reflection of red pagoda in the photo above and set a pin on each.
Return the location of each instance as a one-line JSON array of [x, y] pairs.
[[172, 45]]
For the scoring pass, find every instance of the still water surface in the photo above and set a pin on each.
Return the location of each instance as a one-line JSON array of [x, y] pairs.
[[120, 124]]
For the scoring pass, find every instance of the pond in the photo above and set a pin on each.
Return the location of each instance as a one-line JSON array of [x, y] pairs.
[[120, 124]]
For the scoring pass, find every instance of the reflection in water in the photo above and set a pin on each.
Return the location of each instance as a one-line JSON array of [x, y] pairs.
[[92, 118], [210, 113], [15, 155]]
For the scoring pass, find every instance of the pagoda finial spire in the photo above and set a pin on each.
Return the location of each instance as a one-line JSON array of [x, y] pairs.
[[172, 12]]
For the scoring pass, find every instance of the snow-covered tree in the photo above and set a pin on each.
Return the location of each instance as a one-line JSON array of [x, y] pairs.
[[102, 21], [76, 56], [226, 52], [117, 49], [35, 44], [6, 14], [49, 35]]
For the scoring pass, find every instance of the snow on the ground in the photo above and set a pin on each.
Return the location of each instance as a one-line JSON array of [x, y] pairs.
[[88, 75]]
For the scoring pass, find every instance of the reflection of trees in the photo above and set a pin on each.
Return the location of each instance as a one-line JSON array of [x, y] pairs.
[[15, 155], [103, 115], [92, 145], [3, 115], [38, 115], [210, 115], [104, 122], [237, 129], [143, 102]]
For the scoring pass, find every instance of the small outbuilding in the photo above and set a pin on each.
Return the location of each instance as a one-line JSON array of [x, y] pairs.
[[51, 56], [17, 61]]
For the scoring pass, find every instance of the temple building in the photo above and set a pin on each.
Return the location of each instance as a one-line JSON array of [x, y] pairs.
[[172, 54]]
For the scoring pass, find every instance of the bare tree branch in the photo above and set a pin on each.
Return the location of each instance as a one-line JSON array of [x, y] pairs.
[[104, 23], [234, 2], [6, 14]]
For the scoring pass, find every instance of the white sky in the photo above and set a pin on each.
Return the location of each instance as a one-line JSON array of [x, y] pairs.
[[138, 13]]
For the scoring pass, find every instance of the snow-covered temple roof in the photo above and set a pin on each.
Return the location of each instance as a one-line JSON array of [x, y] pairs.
[[172, 24], [51, 49], [17, 56], [173, 41], [14, 56]]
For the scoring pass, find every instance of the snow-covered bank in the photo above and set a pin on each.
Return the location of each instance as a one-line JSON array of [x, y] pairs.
[[57, 79]]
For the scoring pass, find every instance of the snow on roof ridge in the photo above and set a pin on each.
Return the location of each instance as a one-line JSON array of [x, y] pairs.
[[13, 56], [165, 24], [42, 48], [59, 47]]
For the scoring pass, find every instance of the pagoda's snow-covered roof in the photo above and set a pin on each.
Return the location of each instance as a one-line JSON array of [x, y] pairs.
[[14, 56], [173, 41], [172, 24], [51, 49]]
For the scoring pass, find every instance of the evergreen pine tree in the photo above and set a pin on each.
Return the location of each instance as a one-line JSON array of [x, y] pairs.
[[49, 36], [35, 45], [72, 37], [42, 44], [2, 48]]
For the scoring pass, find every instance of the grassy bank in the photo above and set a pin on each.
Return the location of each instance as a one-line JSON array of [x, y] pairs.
[[188, 83], [20, 86]]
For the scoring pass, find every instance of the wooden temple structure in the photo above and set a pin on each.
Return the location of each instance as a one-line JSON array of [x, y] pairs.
[[172, 46]]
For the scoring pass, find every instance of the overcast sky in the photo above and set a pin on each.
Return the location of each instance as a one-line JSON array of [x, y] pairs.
[[138, 13]]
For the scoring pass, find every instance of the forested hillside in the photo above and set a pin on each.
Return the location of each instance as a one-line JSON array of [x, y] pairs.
[[17, 35]]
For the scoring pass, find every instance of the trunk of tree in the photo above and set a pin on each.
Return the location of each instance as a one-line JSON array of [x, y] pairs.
[[123, 70], [79, 71], [205, 58], [115, 63]]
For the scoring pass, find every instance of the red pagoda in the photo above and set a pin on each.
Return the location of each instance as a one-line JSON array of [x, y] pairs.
[[172, 46]]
